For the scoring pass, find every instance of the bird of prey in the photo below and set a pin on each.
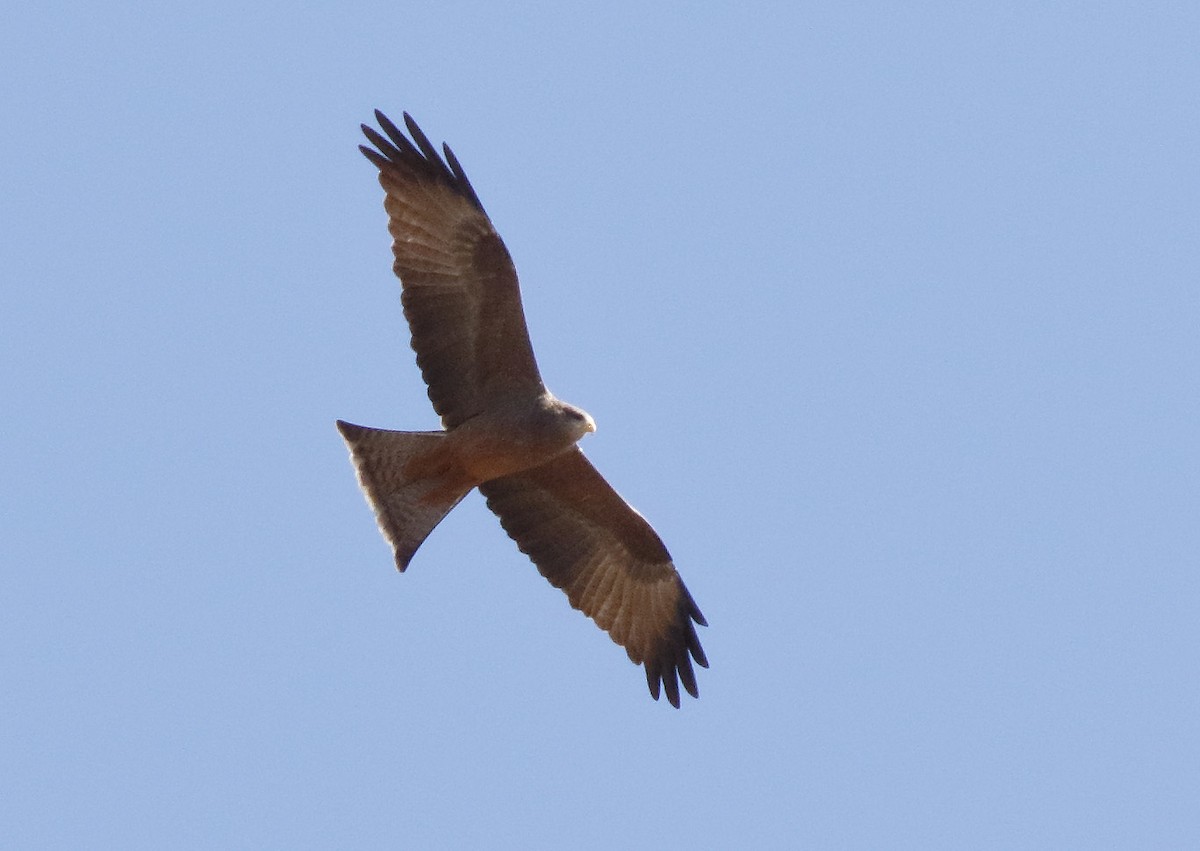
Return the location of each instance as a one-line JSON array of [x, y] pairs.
[[503, 431]]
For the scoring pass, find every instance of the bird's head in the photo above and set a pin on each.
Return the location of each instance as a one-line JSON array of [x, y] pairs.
[[581, 421]]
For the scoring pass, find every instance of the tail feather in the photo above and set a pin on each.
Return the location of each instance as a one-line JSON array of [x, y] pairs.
[[405, 483]]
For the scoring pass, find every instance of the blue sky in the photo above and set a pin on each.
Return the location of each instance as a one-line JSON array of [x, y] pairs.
[[887, 317]]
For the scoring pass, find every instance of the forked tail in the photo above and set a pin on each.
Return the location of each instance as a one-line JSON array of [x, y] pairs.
[[406, 480]]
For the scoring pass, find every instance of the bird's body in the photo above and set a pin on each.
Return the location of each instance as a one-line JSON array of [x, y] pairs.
[[516, 436], [504, 432]]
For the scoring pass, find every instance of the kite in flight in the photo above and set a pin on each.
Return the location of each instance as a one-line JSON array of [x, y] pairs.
[[503, 431]]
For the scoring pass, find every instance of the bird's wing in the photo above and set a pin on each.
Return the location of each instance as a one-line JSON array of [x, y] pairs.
[[589, 542], [460, 291]]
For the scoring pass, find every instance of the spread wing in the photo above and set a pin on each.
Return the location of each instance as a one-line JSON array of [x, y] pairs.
[[460, 291], [589, 542]]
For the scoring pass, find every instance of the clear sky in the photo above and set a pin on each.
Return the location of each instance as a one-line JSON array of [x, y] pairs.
[[889, 322]]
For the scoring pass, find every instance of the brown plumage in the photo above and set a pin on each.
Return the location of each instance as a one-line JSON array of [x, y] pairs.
[[503, 431]]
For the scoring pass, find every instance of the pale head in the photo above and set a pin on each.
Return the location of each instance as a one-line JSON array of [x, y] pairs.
[[581, 421]]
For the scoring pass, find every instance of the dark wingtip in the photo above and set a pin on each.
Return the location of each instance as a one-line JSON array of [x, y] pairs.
[[666, 678], [671, 686], [670, 665], [692, 643], [652, 679], [417, 156], [377, 159], [461, 175], [687, 676], [389, 127], [689, 606]]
